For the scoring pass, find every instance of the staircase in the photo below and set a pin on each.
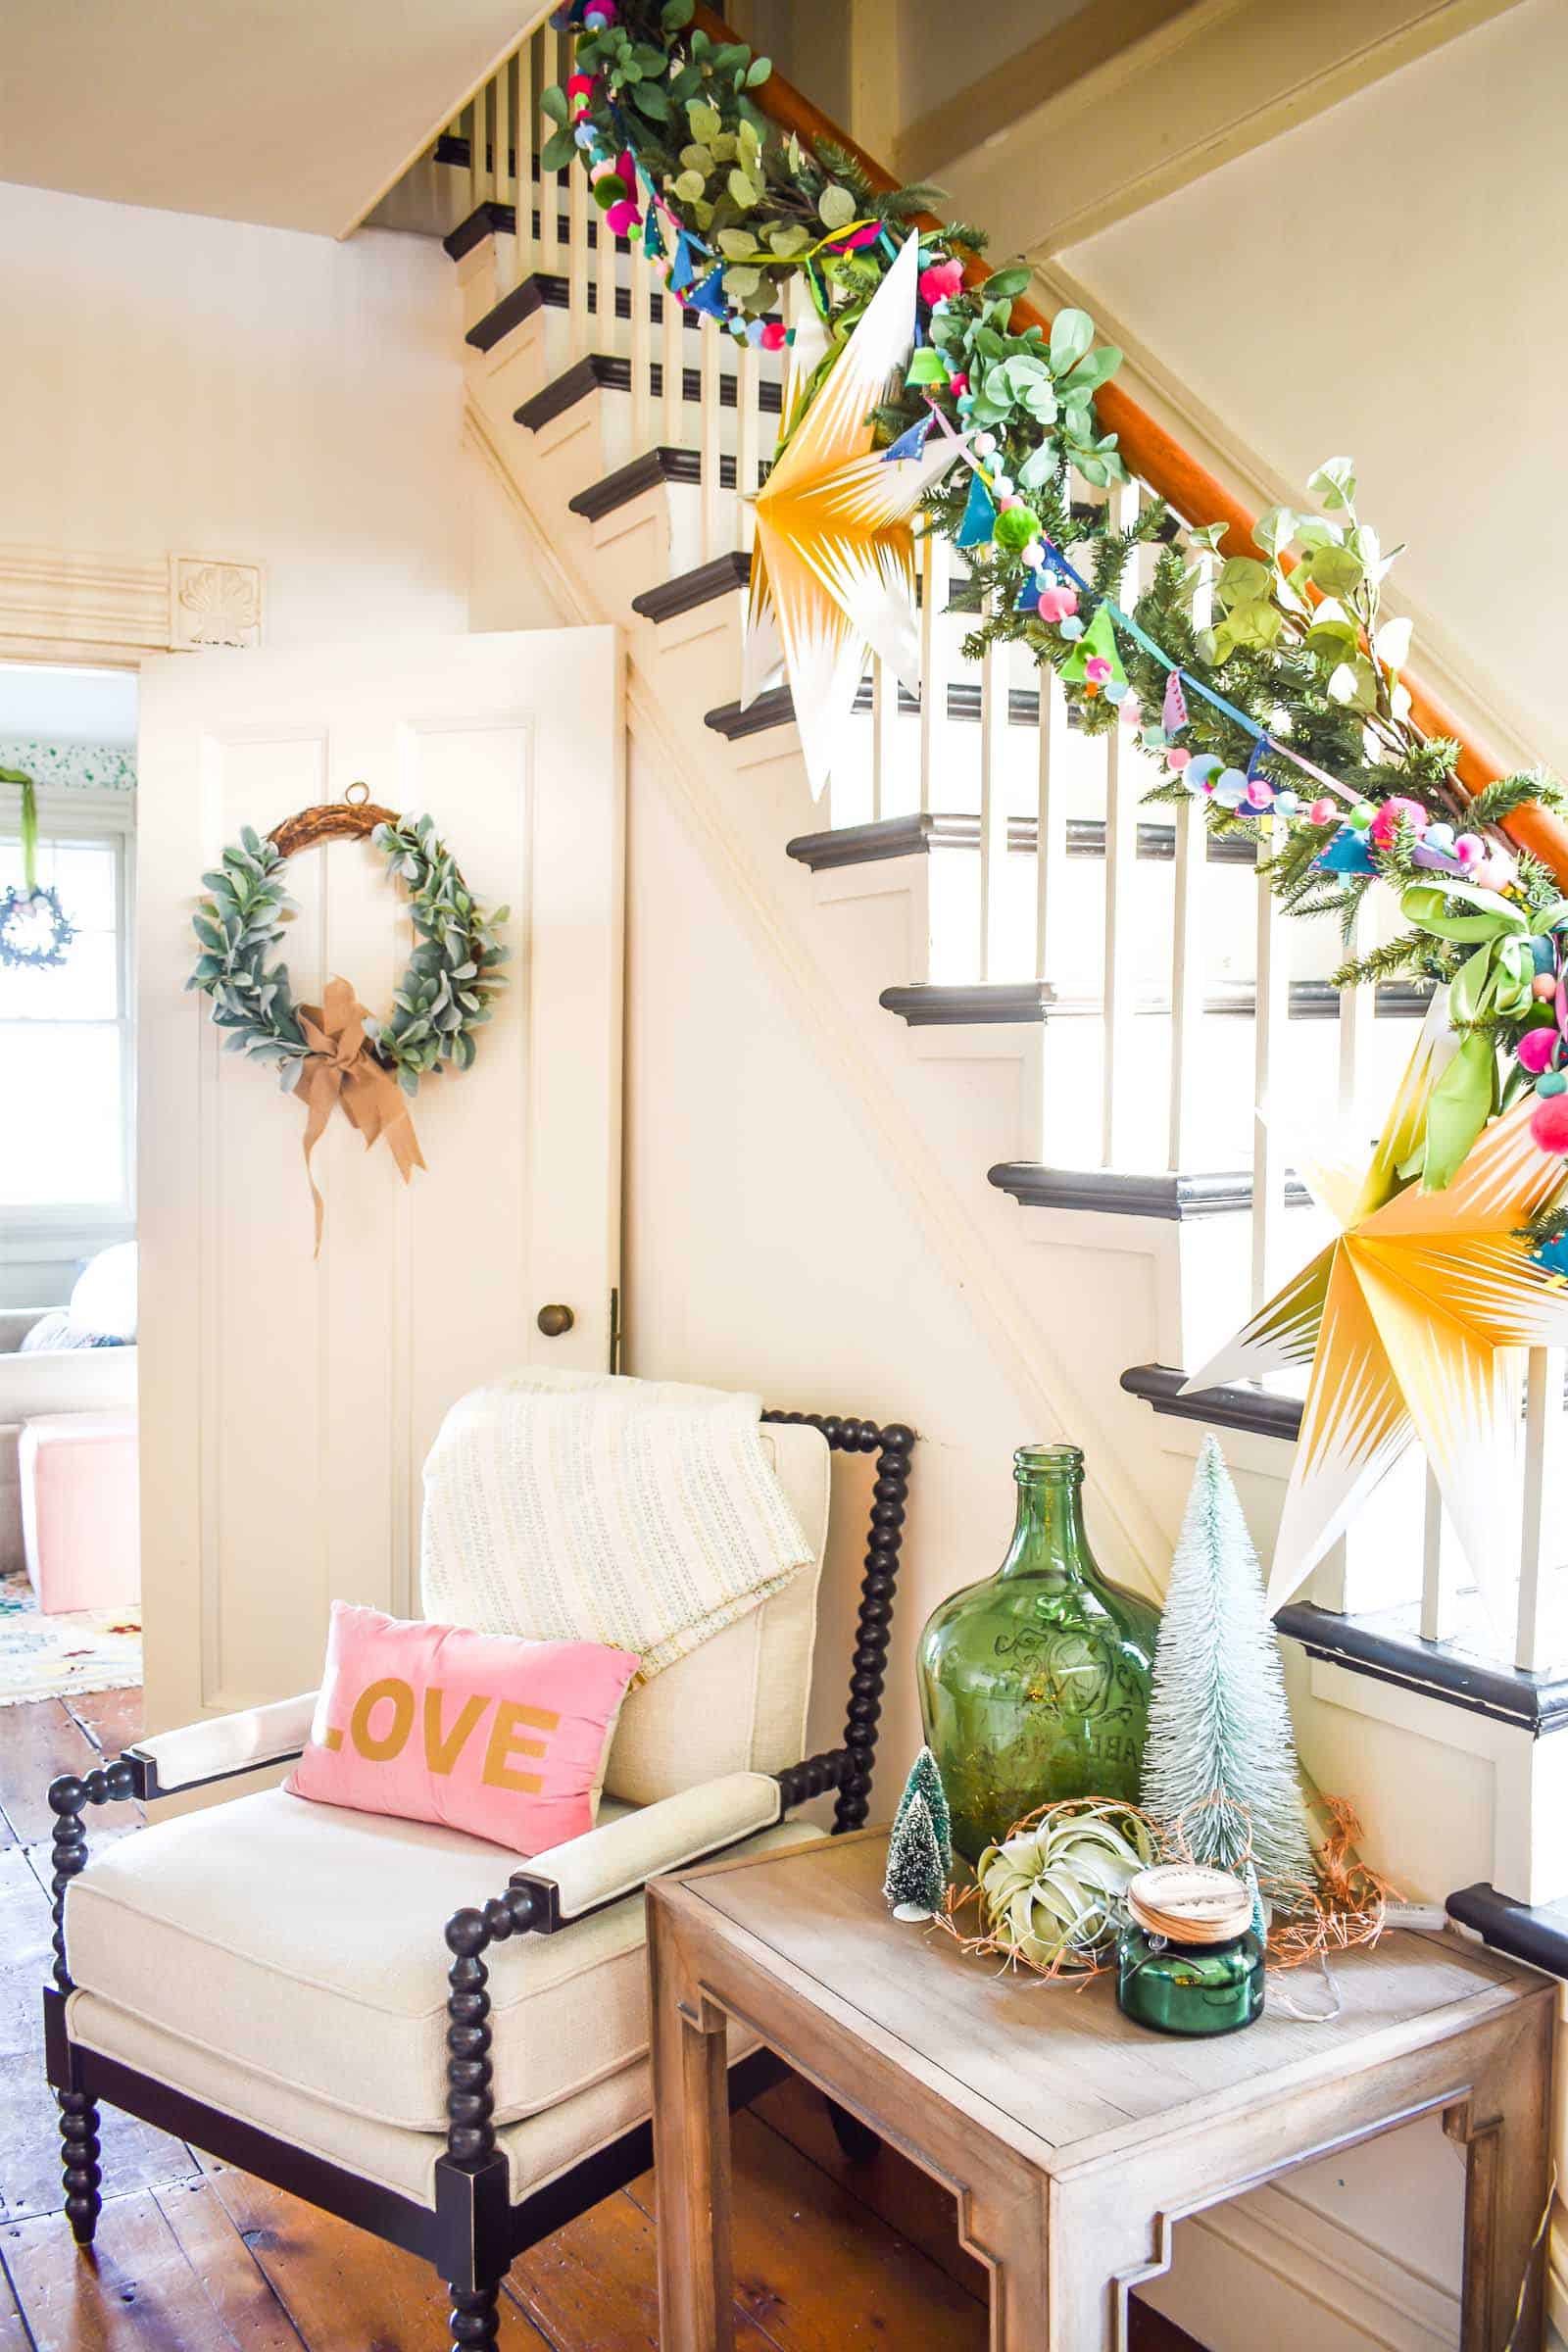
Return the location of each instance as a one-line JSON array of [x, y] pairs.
[[1061, 1009]]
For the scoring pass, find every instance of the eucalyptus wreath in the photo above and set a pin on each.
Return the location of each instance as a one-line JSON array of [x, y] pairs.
[[442, 999]]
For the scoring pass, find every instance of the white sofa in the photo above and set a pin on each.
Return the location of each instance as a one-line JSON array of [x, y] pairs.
[[51, 1380]]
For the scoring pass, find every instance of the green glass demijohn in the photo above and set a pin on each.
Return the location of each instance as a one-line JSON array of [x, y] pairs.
[[1034, 1685]]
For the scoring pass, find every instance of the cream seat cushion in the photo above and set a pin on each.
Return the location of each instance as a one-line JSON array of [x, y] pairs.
[[739, 1703], [302, 1944]]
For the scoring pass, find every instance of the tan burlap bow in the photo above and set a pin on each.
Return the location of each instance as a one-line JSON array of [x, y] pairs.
[[341, 1068]]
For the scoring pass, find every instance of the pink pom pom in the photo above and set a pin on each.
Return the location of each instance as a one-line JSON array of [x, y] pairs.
[[1469, 849], [1323, 810], [1060, 603], [940, 280], [1097, 668], [1385, 823], [1495, 871], [1536, 1051], [621, 218], [1260, 793], [1009, 498], [580, 85], [1129, 710], [1178, 758], [601, 13], [984, 445], [775, 336], [1543, 985], [1549, 1123], [957, 383]]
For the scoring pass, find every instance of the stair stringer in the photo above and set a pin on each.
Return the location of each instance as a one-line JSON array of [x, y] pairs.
[[1013, 1288]]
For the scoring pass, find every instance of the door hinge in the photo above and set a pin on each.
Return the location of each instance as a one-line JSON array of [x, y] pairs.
[[615, 1330]]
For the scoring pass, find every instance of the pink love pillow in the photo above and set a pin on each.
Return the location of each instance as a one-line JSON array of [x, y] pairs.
[[500, 1738]]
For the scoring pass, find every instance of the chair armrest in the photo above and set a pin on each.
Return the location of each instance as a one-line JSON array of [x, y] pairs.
[[226, 1744], [587, 1873]]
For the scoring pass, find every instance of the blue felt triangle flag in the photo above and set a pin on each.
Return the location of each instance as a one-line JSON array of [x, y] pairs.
[[709, 297], [1347, 853], [979, 516], [681, 269], [909, 444]]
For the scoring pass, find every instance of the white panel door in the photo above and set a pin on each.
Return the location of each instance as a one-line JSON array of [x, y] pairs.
[[288, 1401]]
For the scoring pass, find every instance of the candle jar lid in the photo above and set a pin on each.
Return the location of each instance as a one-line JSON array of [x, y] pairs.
[[1188, 1903]]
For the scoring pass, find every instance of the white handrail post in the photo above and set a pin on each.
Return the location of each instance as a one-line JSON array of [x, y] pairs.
[[748, 443], [1053, 752], [1186, 977], [1119, 983]]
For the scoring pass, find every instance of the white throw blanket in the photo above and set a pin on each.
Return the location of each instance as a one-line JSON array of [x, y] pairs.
[[581, 1506]]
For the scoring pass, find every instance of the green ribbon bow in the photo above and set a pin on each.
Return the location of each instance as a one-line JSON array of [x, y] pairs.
[[1493, 983], [30, 827]]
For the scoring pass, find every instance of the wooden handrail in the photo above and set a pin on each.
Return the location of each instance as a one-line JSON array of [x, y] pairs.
[[1171, 471]]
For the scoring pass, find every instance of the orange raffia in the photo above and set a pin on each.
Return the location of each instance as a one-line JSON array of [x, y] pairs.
[[1155, 455]]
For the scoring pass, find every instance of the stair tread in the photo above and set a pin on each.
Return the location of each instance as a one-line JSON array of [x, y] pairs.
[[639, 476], [1465, 1671], [928, 1004], [916, 833], [1237, 1404], [690, 589], [932, 1001], [547, 289]]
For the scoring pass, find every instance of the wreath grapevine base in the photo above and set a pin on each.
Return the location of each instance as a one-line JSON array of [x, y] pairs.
[[336, 1052]]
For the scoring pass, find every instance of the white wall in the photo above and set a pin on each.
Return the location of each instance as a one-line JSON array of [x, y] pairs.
[[1388, 279], [768, 1247], [180, 383]]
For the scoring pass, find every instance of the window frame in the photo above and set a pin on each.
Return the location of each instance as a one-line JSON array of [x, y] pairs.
[[50, 1231]]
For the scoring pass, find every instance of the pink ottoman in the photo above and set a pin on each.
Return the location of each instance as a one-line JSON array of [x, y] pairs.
[[79, 1529]]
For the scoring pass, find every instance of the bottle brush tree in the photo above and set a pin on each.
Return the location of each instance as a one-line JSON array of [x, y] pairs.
[[916, 1881], [925, 1780], [1219, 1776]]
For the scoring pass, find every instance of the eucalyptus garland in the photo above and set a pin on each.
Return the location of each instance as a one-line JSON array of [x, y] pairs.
[[442, 999], [1241, 672]]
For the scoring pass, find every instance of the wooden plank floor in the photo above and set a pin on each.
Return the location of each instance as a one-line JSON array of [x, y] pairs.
[[194, 2257]]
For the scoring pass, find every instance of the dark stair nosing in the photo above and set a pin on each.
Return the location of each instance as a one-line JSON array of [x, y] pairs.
[[1387, 1647], [547, 289], [494, 218], [689, 588], [1133, 1194], [642, 475], [929, 1004], [1235, 1405], [1535, 1934], [914, 834], [601, 371]]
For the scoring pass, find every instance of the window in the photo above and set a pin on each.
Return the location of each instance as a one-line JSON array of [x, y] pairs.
[[66, 1047]]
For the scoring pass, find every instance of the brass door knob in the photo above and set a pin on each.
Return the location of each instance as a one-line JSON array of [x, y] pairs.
[[556, 1321]]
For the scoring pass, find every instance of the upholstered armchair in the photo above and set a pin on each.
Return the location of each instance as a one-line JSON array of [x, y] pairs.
[[394, 2020]]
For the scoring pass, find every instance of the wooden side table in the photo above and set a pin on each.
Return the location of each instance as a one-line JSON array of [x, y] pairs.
[[1073, 2141]]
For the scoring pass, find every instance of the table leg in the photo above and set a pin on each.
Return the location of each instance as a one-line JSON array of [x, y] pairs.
[[1505, 2130], [1004, 2225], [691, 2151]]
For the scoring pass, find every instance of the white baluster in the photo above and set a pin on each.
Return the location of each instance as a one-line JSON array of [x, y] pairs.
[[1273, 1012], [1439, 1577], [1123, 783], [884, 737], [1357, 1008], [710, 342], [934, 577], [748, 442], [1055, 749], [579, 204], [479, 147], [993, 808], [672, 362], [507, 270], [1544, 1451], [1186, 978], [607, 326], [555, 53], [522, 131]]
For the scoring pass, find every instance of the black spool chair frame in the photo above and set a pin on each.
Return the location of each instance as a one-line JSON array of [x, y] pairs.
[[475, 2233]]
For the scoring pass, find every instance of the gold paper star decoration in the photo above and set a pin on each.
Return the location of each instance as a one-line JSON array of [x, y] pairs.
[[1410, 1321], [833, 568]]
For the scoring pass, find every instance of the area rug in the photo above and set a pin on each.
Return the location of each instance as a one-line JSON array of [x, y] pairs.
[[50, 1658]]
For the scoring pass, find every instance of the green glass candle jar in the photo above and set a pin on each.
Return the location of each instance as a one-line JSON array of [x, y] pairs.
[[1034, 1684], [1189, 1959]]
